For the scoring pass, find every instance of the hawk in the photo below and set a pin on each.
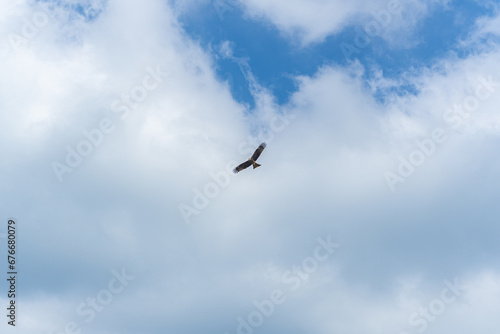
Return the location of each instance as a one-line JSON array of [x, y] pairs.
[[251, 160]]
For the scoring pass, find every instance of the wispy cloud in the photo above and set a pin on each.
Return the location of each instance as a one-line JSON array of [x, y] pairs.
[[332, 142]]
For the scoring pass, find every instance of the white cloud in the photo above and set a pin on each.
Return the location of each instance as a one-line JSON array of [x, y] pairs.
[[489, 24], [312, 21], [322, 174]]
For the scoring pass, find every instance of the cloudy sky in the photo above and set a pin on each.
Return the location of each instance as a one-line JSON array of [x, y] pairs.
[[375, 209]]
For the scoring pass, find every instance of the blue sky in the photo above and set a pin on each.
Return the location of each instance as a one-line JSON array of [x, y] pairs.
[[374, 210], [275, 60]]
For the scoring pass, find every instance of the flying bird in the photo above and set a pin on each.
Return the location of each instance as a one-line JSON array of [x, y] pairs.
[[252, 160]]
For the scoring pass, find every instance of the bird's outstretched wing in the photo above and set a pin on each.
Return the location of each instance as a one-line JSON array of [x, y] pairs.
[[258, 151], [242, 166]]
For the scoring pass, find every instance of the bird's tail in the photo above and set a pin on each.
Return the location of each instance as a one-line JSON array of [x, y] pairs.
[[255, 165]]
